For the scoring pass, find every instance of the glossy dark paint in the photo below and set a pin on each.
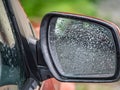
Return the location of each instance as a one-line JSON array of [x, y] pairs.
[[26, 40]]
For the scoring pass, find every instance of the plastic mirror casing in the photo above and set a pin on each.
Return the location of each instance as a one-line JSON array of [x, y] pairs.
[[49, 58]]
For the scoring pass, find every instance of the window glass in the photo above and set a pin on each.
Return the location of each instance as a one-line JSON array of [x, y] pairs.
[[11, 65]]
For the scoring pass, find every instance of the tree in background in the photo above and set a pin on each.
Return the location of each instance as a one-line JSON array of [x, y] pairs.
[[38, 8]]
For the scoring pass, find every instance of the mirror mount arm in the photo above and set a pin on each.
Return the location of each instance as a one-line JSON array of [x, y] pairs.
[[43, 70], [44, 73]]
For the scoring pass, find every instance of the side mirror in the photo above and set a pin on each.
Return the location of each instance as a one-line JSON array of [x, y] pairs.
[[80, 48]]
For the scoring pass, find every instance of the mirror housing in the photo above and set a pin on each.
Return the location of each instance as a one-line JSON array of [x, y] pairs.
[[52, 57]]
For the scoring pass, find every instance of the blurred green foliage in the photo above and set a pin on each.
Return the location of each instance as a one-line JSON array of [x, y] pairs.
[[38, 8]]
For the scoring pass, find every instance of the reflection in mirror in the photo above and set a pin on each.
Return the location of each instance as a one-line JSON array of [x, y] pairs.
[[82, 48]]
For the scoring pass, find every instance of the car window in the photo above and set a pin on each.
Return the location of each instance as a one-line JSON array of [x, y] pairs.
[[12, 74]]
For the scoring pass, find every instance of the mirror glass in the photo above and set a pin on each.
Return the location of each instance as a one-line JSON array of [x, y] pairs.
[[82, 48]]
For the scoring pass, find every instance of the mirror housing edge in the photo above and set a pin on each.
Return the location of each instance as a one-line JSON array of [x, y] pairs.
[[49, 59]]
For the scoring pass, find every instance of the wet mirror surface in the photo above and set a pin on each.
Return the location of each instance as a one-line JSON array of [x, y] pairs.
[[81, 48]]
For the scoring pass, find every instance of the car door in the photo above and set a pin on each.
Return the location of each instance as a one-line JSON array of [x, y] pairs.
[[15, 36]]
